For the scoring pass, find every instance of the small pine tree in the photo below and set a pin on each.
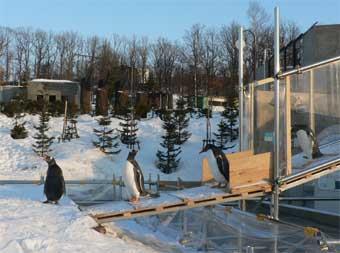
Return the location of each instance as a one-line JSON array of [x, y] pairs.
[[181, 121], [231, 115], [167, 159], [107, 143], [43, 141], [222, 135], [128, 131], [18, 131]]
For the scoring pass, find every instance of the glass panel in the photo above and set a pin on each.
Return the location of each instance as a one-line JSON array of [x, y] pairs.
[[315, 107]]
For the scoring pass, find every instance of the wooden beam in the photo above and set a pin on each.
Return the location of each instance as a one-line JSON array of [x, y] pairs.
[[174, 207]]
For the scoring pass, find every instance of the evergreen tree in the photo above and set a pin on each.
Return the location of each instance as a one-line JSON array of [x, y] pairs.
[[182, 121], [231, 115], [43, 141], [128, 131], [18, 131], [222, 135], [167, 159], [107, 143]]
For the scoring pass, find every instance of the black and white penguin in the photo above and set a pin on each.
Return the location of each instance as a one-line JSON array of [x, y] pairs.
[[54, 187], [133, 178], [307, 141], [218, 163]]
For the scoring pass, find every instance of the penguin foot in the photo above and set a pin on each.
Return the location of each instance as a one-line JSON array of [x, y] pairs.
[[47, 202], [134, 200]]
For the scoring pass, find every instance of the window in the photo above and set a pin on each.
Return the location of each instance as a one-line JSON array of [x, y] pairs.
[[40, 98], [337, 185], [52, 99]]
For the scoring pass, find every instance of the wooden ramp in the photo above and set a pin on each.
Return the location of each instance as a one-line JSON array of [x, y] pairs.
[[174, 201], [249, 177]]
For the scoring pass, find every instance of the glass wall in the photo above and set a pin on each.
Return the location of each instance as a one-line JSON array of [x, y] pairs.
[[308, 99]]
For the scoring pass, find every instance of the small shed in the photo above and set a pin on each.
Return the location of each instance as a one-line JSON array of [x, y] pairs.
[[54, 90], [8, 92]]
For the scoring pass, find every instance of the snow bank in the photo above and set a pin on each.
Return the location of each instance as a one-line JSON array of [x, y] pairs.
[[27, 225]]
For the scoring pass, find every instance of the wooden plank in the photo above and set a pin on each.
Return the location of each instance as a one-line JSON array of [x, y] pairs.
[[109, 217], [251, 169], [262, 185], [239, 155], [206, 171]]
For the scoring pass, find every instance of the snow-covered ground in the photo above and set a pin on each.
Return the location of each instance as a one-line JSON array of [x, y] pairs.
[[79, 159], [27, 225]]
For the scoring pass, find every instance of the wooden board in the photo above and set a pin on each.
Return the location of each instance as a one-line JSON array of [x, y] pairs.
[[171, 202], [249, 170], [206, 171]]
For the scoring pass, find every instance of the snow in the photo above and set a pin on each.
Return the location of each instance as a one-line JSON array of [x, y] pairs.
[[51, 81], [27, 225], [79, 159]]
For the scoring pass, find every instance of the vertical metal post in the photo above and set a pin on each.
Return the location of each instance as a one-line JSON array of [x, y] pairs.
[[311, 101], [149, 181], [240, 83], [252, 115], [114, 185], [120, 188], [275, 195], [264, 63], [158, 181]]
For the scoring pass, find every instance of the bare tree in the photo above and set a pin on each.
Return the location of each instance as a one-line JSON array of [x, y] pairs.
[[40, 47], [143, 54], [194, 44], [210, 56], [23, 46], [229, 57]]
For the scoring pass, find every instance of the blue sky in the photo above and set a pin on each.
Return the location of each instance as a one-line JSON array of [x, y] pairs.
[[153, 17]]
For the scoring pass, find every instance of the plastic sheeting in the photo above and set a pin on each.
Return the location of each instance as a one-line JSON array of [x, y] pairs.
[[221, 230]]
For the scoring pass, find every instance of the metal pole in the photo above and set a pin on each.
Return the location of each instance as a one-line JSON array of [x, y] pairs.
[[276, 174], [264, 63], [240, 83]]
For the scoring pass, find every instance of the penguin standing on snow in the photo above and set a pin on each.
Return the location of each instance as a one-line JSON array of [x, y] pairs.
[[219, 164], [133, 178], [307, 141], [54, 187]]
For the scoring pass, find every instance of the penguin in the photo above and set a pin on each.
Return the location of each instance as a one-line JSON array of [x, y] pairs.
[[133, 178], [54, 187], [307, 141], [219, 164]]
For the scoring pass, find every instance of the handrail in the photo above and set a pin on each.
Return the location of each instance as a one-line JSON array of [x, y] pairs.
[[306, 68], [295, 71]]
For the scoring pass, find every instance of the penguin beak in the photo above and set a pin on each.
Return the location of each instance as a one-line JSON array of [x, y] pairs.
[[201, 151]]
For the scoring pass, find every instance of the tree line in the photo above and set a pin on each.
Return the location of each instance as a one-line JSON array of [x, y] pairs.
[[204, 61]]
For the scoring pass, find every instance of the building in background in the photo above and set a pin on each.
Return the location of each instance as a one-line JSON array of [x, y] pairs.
[[318, 43], [54, 90], [9, 92]]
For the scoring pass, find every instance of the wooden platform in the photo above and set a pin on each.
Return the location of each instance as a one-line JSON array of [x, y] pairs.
[[173, 201]]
